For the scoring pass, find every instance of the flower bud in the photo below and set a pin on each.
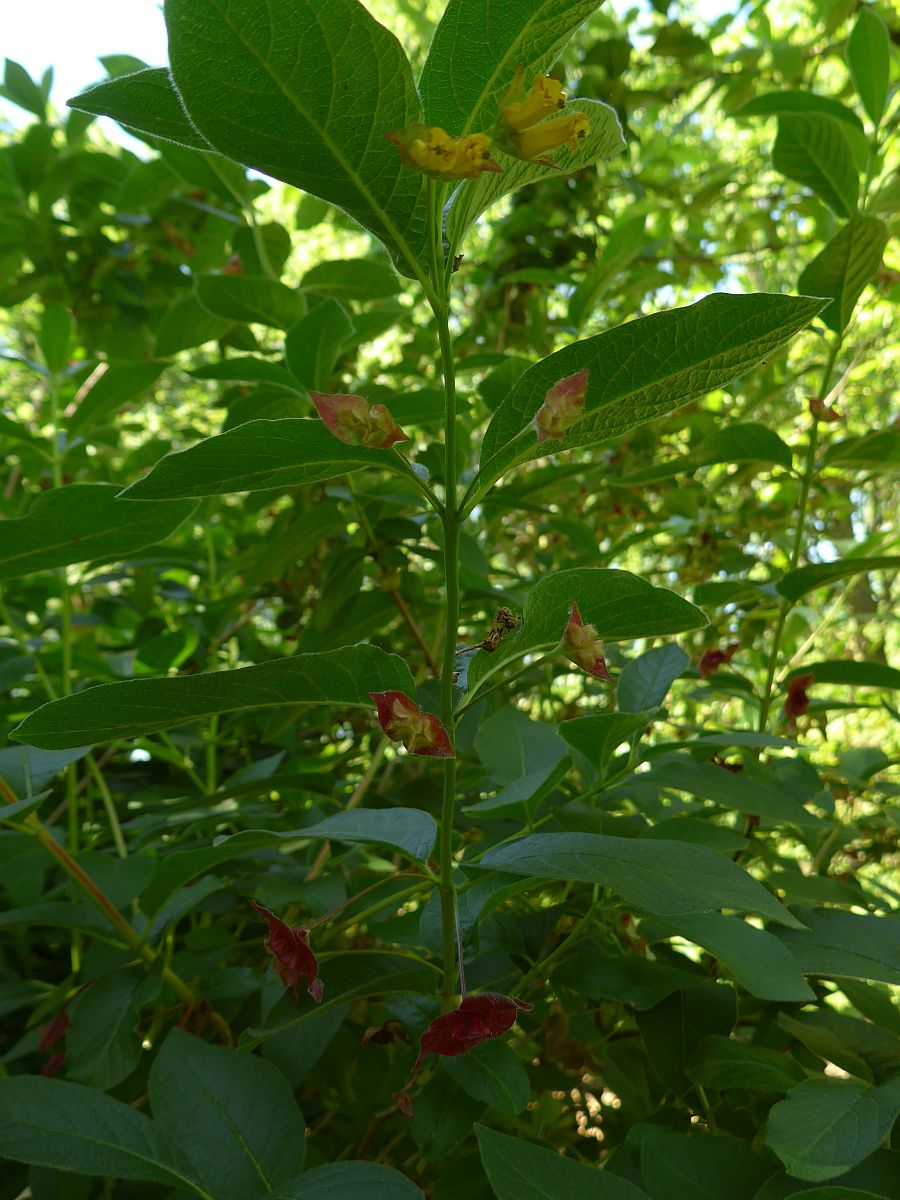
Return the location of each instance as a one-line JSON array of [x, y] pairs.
[[583, 646], [403, 721], [535, 143], [563, 406], [355, 422]]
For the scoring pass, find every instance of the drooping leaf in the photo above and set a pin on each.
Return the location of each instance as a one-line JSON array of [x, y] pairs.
[[617, 603], [520, 1170], [353, 1180], [720, 1062], [81, 522], [253, 84], [737, 791], [795, 584], [493, 1074], [845, 944], [773, 104], [678, 1166], [312, 345], [843, 268], [599, 735], [869, 60], [234, 1115], [756, 959], [119, 383], [826, 1126], [653, 874], [645, 681], [144, 101], [812, 149], [739, 443], [250, 298], [76, 1128], [643, 370], [138, 706], [257, 456]]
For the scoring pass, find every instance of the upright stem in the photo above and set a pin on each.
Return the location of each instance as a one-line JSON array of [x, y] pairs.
[[450, 519], [799, 535]]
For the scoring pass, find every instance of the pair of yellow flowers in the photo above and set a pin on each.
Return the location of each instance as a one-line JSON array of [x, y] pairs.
[[518, 133]]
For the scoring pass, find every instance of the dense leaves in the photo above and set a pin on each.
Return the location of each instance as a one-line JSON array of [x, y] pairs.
[[447, 659]]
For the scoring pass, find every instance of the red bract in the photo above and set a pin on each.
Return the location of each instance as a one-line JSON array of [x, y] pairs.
[[355, 422], [823, 412], [797, 701], [53, 1064], [477, 1019], [711, 660], [294, 961], [403, 721], [583, 646], [49, 1035], [563, 406]]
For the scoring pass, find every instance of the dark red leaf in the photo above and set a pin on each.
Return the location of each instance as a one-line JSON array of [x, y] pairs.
[[50, 1034]]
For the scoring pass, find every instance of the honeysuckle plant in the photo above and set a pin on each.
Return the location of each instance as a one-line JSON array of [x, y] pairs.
[[413, 785]]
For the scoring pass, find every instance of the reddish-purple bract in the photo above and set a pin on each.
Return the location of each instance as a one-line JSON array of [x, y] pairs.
[[294, 961], [583, 646], [403, 721], [355, 422], [797, 701], [477, 1019], [563, 406], [711, 660]]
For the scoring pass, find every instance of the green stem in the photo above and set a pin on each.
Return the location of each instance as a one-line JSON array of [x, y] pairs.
[[451, 526], [109, 804], [799, 535]]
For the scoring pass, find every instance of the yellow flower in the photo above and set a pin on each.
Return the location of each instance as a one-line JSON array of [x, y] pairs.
[[519, 110], [539, 139], [434, 152]]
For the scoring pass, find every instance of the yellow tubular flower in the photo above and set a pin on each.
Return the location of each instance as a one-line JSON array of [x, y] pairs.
[[435, 153], [542, 138], [519, 111]]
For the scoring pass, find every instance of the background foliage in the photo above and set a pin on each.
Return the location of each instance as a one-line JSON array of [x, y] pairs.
[[726, 532]]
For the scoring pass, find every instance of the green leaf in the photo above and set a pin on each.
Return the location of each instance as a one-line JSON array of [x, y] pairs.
[[832, 1193], [26, 771], [185, 324], [81, 522], [20, 88], [622, 245], [512, 745], [66, 1125], [881, 448], [619, 604], [118, 383], [313, 344], [757, 960], [869, 60], [493, 1074], [740, 443], [603, 140], [776, 103], [848, 262], [738, 791], [645, 681], [305, 92], [349, 1181], [257, 456], [627, 978], [859, 1047], [643, 370], [102, 1043], [853, 674], [408, 830], [234, 1115], [826, 1126], [599, 735], [520, 1170], [138, 706], [145, 102], [678, 1166], [656, 875], [246, 367], [796, 584], [477, 47], [813, 150], [722, 1063], [352, 279], [838, 944], [55, 337], [250, 298]]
